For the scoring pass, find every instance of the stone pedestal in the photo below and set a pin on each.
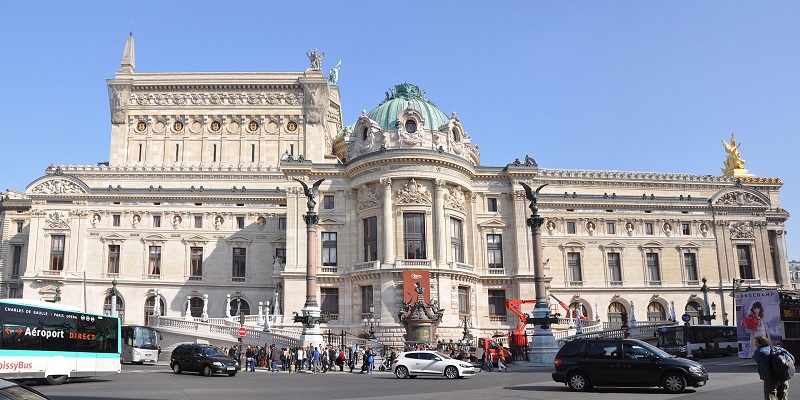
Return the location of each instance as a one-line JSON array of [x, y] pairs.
[[311, 335], [421, 331], [543, 347]]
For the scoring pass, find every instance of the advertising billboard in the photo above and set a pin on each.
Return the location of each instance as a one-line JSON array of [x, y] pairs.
[[409, 279], [758, 313]]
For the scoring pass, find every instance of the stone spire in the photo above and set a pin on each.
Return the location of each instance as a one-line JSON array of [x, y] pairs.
[[128, 64]]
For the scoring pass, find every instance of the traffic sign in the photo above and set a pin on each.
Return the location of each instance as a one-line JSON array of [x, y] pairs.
[[625, 328], [242, 331], [686, 317]]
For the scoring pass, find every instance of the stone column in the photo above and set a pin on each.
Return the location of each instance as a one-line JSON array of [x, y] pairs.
[[781, 261], [388, 222], [440, 225]]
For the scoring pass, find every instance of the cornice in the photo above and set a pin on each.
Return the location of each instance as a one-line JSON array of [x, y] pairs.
[[410, 157]]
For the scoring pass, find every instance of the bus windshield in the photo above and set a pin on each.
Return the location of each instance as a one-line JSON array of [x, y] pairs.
[[145, 338], [671, 337]]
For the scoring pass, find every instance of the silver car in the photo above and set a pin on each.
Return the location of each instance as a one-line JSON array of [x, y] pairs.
[[411, 364]]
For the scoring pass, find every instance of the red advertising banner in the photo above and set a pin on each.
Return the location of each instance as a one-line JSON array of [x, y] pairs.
[[412, 277]]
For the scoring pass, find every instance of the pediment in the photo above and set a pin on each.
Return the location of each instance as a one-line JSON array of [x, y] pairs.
[[278, 242], [614, 243], [112, 238], [197, 239], [239, 240], [155, 238], [740, 196], [573, 244], [652, 244], [492, 223], [690, 244], [58, 184], [331, 221]]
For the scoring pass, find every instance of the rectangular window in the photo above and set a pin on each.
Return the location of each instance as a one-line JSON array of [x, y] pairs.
[[497, 302], [116, 219], [57, 243], [329, 257], [611, 228], [371, 239], [329, 300], [648, 228], [456, 240], [690, 261], [414, 236], [280, 255], [491, 203], [239, 261], [19, 226], [463, 300], [653, 268], [196, 262], [156, 221], [239, 222], [198, 221], [282, 223], [614, 269], [494, 250], [571, 227], [327, 202], [366, 299], [685, 229], [16, 260], [113, 259], [745, 262], [154, 263], [574, 265]]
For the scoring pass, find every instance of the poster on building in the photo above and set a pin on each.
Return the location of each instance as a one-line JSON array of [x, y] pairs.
[[410, 278], [758, 313]]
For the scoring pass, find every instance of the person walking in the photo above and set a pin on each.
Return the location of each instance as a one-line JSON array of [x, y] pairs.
[[486, 361], [775, 388], [501, 363], [275, 357]]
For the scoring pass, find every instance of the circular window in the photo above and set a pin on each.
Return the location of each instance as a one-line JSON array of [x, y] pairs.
[[177, 126], [253, 126], [141, 126], [291, 126], [215, 126], [411, 126]]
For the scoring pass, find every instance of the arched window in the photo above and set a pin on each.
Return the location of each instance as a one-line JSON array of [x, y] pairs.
[[240, 305], [693, 308], [575, 306], [120, 307], [655, 312], [411, 126], [615, 311], [364, 133], [149, 305], [196, 306], [456, 135]]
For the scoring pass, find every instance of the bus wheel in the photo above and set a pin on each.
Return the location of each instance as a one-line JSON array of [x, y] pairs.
[[56, 379]]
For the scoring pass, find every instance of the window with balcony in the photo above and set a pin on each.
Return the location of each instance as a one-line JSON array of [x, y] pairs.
[[57, 243], [571, 227], [648, 228], [656, 312], [196, 263], [653, 268], [116, 220], [366, 298], [198, 221], [611, 228], [690, 263], [154, 262], [463, 300], [497, 302], [745, 262], [239, 222], [329, 300], [494, 251], [414, 236], [113, 259], [456, 240], [328, 202], [371, 239], [491, 204], [574, 266], [614, 269], [685, 229], [239, 262], [16, 260], [329, 245]]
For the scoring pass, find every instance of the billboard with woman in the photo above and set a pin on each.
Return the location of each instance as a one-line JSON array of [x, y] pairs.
[[757, 313]]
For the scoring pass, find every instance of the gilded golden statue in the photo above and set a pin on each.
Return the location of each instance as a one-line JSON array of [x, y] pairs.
[[734, 164]]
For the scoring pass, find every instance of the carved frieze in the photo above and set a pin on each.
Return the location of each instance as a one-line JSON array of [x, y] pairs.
[[367, 198], [202, 99], [57, 186], [316, 101], [455, 199], [742, 230], [738, 198], [413, 193], [118, 99], [57, 220]]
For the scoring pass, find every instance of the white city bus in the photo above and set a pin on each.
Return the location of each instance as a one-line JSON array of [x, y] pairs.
[[55, 342], [705, 340], [139, 344]]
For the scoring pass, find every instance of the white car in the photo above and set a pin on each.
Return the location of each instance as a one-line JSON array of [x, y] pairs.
[[410, 364]]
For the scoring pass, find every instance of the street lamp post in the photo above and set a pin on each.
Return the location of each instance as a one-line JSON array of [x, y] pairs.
[[707, 316], [114, 297], [543, 346], [371, 322], [311, 314]]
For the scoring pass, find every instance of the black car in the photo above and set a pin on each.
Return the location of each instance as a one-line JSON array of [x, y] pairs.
[[583, 363], [203, 359]]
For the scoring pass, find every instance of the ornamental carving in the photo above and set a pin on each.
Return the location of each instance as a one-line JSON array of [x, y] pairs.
[[201, 99], [118, 98], [740, 199], [367, 198], [57, 186], [742, 230], [413, 193], [455, 199], [57, 220], [316, 96]]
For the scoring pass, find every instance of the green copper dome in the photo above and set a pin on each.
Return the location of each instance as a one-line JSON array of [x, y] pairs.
[[396, 102]]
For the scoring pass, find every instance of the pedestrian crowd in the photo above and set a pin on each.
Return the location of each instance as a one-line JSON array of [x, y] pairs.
[[314, 359]]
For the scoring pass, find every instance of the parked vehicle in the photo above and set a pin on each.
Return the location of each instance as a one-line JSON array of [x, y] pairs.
[[704, 340], [411, 364], [493, 348], [203, 359], [583, 363]]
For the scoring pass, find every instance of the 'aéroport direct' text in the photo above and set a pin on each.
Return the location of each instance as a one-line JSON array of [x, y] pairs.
[[44, 333]]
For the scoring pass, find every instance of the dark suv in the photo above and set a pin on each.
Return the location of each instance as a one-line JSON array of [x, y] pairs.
[[583, 363], [203, 359]]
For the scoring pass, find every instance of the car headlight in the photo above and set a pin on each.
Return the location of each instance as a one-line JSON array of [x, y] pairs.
[[682, 349], [465, 365], [217, 364], [698, 370]]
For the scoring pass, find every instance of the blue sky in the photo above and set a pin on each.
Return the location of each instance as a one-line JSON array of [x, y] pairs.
[[634, 86]]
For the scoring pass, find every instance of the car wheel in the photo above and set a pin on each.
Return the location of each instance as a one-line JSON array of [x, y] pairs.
[[451, 372], [176, 368], [206, 371], [674, 383], [56, 379], [701, 353], [578, 382], [232, 373], [401, 372]]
